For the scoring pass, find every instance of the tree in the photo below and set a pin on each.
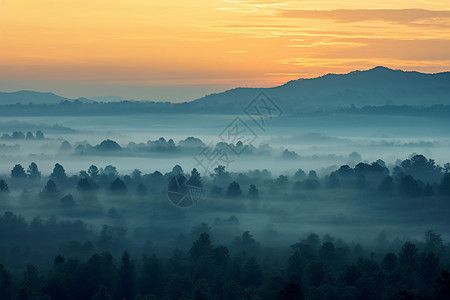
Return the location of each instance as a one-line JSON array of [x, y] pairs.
[[58, 174], [408, 255], [50, 188], [59, 259], [221, 255], [252, 273], [151, 280], [93, 172], [333, 181], [253, 192], [429, 267], [300, 175], [316, 273], [110, 171], [390, 262], [422, 168], [312, 175], [118, 186], [219, 170], [216, 191], [311, 184], [361, 182], [31, 285], [428, 190], [442, 287], [5, 284], [387, 185], [141, 190], [125, 280], [136, 175], [3, 187], [246, 243], [408, 186], [33, 171], [447, 168], [433, 242], [289, 154], [327, 252], [195, 179], [65, 146], [234, 190], [291, 292], [177, 169], [108, 145], [68, 202], [18, 135], [282, 182], [18, 172], [29, 136], [102, 294], [39, 135], [84, 185], [201, 247], [444, 187]]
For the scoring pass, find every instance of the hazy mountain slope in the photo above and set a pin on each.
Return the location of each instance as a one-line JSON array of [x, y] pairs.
[[26, 97], [377, 86], [374, 87]]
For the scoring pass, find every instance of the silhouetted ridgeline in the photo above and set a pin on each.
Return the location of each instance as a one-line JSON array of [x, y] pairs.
[[140, 107], [376, 87]]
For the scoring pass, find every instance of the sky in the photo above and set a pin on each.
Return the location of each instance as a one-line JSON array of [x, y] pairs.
[[177, 50]]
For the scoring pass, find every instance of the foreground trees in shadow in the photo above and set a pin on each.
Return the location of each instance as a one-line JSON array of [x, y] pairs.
[[314, 268]]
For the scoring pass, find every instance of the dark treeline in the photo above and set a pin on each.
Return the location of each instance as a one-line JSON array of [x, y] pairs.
[[190, 145], [433, 110], [312, 268], [417, 176], [78, 108], [19, 135]]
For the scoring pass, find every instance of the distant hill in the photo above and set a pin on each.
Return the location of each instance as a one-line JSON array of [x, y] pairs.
[[377, 86], [26, 97]]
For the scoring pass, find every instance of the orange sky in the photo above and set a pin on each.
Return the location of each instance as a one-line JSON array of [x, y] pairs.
[[146, 49]]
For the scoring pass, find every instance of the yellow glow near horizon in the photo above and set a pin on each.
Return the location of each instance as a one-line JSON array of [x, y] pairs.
[[217, 42]]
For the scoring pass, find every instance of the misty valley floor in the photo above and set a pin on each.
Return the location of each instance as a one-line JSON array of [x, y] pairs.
[[350, 226]]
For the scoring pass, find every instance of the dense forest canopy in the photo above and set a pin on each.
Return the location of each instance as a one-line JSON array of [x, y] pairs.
[[88, 247]]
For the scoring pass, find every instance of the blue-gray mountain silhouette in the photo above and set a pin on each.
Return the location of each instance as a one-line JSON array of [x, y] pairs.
[[377, 86], [26, 97]]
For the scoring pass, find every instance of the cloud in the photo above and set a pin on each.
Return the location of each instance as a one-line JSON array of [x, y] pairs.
[[402, 16]]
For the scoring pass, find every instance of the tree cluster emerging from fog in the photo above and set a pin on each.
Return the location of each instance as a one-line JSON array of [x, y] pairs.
[[414, 177], [190, 145], [19, 135]]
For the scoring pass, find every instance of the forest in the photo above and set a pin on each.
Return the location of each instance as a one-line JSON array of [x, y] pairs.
[[100, 234]]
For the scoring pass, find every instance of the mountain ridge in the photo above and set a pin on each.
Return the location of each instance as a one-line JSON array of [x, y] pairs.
[[376, 86], [27, 96]]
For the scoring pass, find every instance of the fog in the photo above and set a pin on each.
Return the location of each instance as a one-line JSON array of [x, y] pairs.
[[318, 141], [366, 185]]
